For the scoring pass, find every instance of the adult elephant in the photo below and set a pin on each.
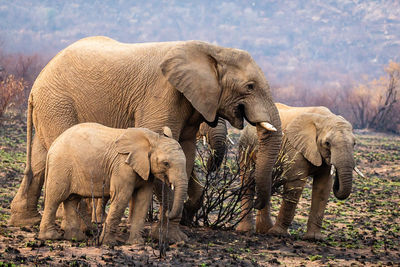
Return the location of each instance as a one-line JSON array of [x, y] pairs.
[[316, 143], [149, 85]]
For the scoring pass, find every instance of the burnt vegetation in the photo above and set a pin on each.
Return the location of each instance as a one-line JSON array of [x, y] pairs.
[[363, 229], [354, 229]]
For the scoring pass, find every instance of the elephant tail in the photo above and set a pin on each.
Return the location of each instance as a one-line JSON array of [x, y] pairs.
[[28, 174], [46, 172]]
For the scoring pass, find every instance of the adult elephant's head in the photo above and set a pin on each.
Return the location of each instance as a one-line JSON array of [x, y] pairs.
[[326, 138], [226, 82]]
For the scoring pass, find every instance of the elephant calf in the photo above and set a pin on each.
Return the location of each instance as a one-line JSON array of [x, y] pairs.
[[90, 159], [316, 143]]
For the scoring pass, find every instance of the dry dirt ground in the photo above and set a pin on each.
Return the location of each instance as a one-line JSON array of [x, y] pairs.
[[362, 230]]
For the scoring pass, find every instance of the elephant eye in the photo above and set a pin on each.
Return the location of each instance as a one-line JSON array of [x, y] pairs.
[[250, 86], [166, 164], [327, 144]]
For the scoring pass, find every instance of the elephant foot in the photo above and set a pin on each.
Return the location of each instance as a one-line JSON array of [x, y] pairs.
[[187, 217], [263, 225], [245, 226], [189, 211], [135, 239], [317, 236], [24, 218], [74, 234], [109, 239], [175, 234], [278, 231], [50, 234]]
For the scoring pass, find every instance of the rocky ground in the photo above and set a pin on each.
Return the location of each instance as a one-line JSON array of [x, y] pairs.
[[362, 230]]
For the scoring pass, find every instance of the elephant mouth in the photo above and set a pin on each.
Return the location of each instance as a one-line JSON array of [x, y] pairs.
[[240, 115]]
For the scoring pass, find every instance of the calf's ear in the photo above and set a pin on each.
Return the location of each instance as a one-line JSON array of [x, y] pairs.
[[136, 143]]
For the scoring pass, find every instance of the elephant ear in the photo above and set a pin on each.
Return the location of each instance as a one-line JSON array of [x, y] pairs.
[[302, 134], [192, 70], [136, 142]]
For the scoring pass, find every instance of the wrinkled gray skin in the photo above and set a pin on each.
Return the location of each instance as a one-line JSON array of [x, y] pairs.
[[216, 138], [314, 139], [149, 85], [91, 160]]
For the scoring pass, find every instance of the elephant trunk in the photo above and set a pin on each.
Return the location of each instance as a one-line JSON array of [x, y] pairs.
[[343, 178], [180, 184], [343, 182], [217, 140], [268, 148]]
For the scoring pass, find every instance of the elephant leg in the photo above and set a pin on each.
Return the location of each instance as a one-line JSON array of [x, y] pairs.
[[142, 199], [85, 211], [98, 207], [291, 196], [322, 184], [24, 205], [195, 193], [175, 234], [48, 229], [247, 222], [60, 216], [131, 208], [72, 217], [195, 189], [121, 193]]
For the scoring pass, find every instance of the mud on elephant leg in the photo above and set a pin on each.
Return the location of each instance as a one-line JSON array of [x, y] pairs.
[[24, 205], [193, 204]]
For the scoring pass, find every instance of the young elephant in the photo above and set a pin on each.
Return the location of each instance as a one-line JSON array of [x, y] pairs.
[[316, 143], [90, 159]]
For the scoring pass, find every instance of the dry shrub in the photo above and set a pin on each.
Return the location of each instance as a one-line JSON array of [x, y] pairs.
[[223, 188], [375, 104], [12, 93], [370, 104]]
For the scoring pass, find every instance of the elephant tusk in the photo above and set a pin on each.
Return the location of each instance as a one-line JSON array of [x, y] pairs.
[[172, 187], [204, 140], [359, 172], [230, 140], [186, 199], [333, 170], [268, 126]]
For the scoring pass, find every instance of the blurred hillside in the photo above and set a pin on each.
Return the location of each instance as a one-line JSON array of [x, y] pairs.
[[313, 42]]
